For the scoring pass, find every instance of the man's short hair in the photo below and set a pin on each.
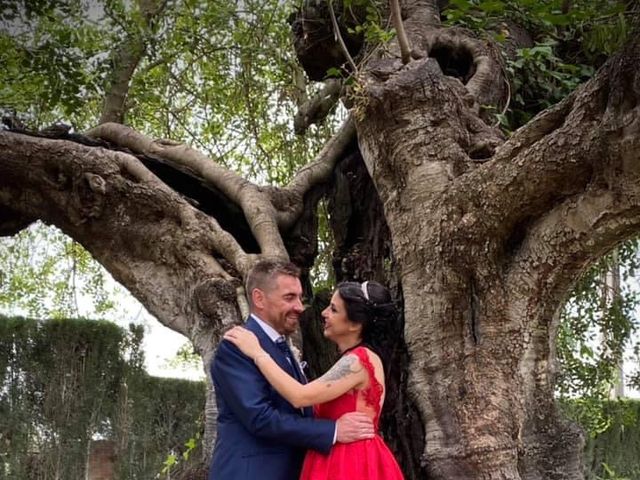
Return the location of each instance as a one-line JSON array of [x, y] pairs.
[[263, 275]]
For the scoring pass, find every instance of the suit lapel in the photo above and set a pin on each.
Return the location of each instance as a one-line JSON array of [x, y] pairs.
[[270, 347]]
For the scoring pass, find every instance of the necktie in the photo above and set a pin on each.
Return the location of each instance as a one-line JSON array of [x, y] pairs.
[[282, 344]]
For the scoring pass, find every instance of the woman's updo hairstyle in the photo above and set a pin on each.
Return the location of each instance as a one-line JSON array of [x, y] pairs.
[[370, 304]]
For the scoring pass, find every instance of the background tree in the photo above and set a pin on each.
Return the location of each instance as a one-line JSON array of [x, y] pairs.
[[596, 330], [480, 232]]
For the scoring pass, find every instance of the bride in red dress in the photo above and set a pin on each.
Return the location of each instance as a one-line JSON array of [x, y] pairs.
[[355, 321]]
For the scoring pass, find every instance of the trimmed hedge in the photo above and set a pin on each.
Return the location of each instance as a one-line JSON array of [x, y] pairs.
[[615, 452], [66, 382]]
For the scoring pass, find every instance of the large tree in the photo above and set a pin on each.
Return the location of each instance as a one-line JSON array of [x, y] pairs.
[[480, 234]]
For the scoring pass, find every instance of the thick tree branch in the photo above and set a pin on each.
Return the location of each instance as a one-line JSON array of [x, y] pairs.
[[255, 204], [477, 63], [591, 134], [125, 62], [550, 260], [152, 241], [126, 58], [573, 235], [426, 12], [457, 137], [11, 222], [460, 53], [316, 109], [289, 200]]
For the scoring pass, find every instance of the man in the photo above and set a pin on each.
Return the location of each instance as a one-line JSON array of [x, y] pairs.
[[260, 435]]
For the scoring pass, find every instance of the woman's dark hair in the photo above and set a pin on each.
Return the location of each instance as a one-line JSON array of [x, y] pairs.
[[370, 304]]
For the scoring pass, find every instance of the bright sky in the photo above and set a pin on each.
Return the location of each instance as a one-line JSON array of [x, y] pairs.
[[160, 343]]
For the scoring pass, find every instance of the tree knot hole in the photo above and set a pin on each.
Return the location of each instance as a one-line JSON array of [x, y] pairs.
[[454, 60]]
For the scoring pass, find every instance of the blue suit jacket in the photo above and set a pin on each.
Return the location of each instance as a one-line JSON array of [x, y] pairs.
[[259, 434]]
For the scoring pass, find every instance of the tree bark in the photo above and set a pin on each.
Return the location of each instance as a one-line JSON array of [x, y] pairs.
[[363, 251], [486, 252]]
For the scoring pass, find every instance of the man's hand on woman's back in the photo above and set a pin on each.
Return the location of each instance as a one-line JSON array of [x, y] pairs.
[[354, 426]]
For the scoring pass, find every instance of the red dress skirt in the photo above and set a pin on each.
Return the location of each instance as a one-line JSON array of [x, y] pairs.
[[362, 460]]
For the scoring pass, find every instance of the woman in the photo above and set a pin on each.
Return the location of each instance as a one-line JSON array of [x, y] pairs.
[[358, 320]]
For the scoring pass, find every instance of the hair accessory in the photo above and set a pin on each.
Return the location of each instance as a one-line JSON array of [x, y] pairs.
[[365, 290]]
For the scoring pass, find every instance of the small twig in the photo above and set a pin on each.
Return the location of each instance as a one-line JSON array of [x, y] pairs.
[[338, 36], [74, 271], [506, 105], [403, 40]]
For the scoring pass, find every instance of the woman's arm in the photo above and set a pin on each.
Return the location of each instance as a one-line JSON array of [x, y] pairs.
[[245, 394], [345, 374]]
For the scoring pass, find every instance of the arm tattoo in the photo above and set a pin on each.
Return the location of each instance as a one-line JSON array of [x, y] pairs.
[[340, 369]]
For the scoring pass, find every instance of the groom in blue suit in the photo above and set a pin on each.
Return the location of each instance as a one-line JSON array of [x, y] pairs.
[[260, 436]]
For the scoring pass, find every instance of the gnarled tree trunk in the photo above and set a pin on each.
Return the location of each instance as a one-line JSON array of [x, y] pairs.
[[487, 250]]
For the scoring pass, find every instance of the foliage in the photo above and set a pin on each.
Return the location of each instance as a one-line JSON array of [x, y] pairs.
[[57, 382], [173, 460], [64, 382], [570, 40], [613, 453], [186, 357], [373, 29], [45, 273], [215, 74], [597, 325], [539, 79], [53, 65], [165, 415], [218, 75]]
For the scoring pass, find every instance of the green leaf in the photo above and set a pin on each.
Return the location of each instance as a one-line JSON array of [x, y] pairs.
[[334, 72]]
